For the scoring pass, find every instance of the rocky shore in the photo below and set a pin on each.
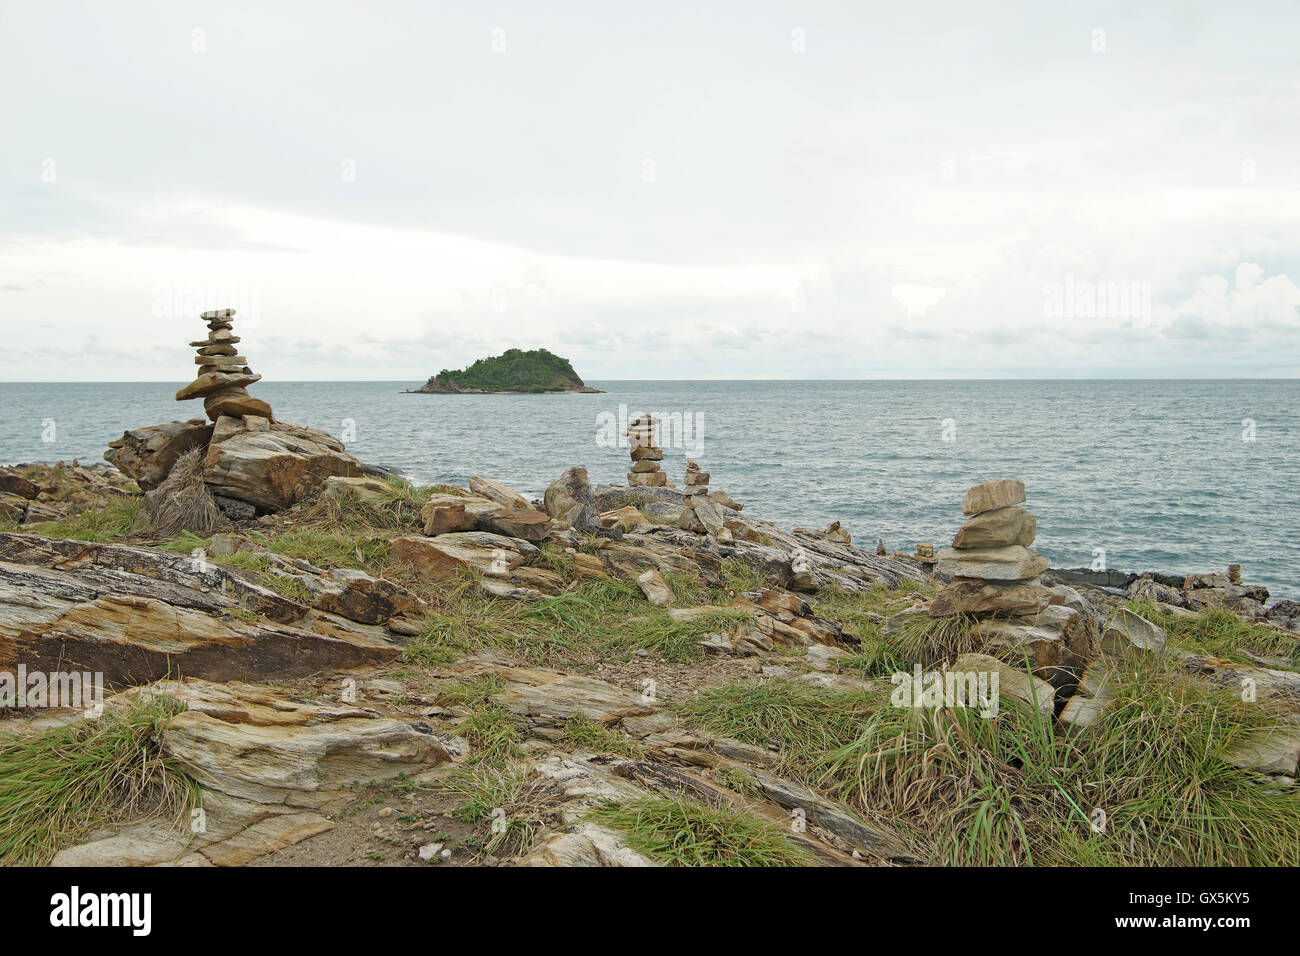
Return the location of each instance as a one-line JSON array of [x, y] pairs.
[[339, 668]]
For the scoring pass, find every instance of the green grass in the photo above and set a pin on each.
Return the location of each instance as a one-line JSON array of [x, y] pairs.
[[510, 805], [1218, 632], [97, 525], [1010, 791], [679, 832], [63, 784], [862, 613], [588, 623], [583, 733], [488, 728], [801, 722]]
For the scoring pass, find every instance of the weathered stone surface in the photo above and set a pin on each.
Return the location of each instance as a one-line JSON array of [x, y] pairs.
[[647, 479], [709, 515], [548, 696], [1012, 563], [969, 596], [235, 402], [1013, 682], [1058, 642], [1273, 750], [209, 382], [445, 556], [996, 529], [447, 513], [359, 597], [527, 523], [655, 588], [495, 491], [646, 453], [993, 494], [137, 615], [250, 743], [1128, 636], [147, 454], [278, 467], [567, 496], [17, 485], [644, 467]]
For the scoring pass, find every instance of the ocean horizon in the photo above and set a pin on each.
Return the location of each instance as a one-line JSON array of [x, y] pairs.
[[1168, 475]]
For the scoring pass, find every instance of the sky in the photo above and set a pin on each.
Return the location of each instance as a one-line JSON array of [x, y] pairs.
[[666, 190]]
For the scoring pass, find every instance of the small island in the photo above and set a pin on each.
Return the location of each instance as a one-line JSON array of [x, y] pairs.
[[513, 371]]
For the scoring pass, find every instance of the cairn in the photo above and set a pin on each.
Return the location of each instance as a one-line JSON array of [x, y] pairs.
[[223, 374], [696, 492], [646, 455], [996, 587]]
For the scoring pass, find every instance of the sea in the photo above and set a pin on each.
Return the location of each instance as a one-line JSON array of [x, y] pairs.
[[1160, 475]]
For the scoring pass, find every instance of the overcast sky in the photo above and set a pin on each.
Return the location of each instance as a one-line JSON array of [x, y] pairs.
[[655, 190]]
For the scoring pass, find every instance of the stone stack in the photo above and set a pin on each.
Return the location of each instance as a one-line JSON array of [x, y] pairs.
[[646, 455], [700, 514], [995, 585], [223, 374]]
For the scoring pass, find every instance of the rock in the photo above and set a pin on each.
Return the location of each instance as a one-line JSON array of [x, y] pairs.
[[364, 488], [235, 402], [709, 515], [628, 517], [585, 845], [1058, 642], [209, 382], [1284, 614], [1128, 636], [1011, 563], [136, 616], [443, 557], [996, 529], [147, 454], [235, 510], [1038, 695], [276, 468], [822, 657], [446, 513], [495, 491], [972, 596], [726, 501], [360, 597], [1148, 589], [17, 485], [566, 498], [548, 696], [527, 523], [249, 743], [1272, 750], [646, 453], [647, 479], [993, 494], [655, 588]]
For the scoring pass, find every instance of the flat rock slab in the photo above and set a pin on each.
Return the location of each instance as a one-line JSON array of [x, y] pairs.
[[993, 494], [1012, 563], [445, 556], [996, 529], [547, 696], [147, 454]]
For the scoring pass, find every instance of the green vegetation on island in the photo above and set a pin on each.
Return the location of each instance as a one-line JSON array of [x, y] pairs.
[[514, 370]]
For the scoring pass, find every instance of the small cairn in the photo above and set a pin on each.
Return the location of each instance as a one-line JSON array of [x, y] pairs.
[[993, 544], [223, 374], [996, 585], [696, 492], [646, 455]]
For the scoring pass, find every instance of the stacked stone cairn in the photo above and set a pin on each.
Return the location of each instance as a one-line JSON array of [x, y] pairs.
[[996, 586], [223, 374], [700, 515], [646, 455]]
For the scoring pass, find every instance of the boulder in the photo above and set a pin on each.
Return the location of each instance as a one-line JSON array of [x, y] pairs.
[[447, 513], [147, 454], [237, 402], [1057, 642], [997, 529], [17, 486], [1128, 636], [655, 588], [274, 469], [443, 557], [495, 491], [968, 596], [568, 496], [527, 523], [1012, 563], [993, 494]]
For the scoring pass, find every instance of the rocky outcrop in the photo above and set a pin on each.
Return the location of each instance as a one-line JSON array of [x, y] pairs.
[[275, 467], [138, 615], [147, 454], [223, 375]]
